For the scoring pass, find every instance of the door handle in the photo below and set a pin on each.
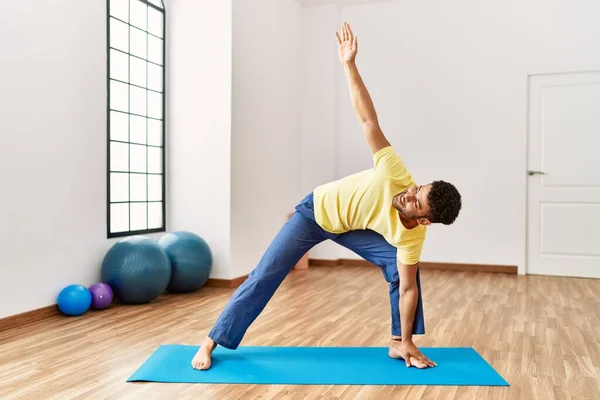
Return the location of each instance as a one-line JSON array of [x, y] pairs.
[[530, 173]]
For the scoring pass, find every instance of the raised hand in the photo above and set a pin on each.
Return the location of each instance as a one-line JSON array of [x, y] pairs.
[[347, 44]]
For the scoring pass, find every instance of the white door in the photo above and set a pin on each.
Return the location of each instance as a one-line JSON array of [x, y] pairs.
[[563, 226]]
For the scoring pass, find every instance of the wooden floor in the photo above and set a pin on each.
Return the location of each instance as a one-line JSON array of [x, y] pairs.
[[541, 333]]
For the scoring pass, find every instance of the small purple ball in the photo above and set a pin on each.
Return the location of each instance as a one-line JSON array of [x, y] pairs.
[[102, 295]]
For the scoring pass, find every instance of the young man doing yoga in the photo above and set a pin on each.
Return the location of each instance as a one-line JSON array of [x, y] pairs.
[[381, 214]]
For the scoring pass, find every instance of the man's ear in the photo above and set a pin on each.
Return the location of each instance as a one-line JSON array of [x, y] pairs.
[[424, 221]]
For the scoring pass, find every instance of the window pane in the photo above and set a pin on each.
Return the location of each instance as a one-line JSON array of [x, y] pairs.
[[118, 126], [119, 37], [155, 215], [154, 132], [119, 187], [137, 71], [119, 217], [119, 158], [154, 104], [138, 100], [119, 9], [118, 96], [138, 187], [138, 216], [154, 187], [155, 160], [118, 65], [138, 14], [155, 77], [155, 50], [138, 158], [155, 22], [138, 42], [137, 128]]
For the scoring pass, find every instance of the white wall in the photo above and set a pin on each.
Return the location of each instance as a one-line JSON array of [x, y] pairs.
[[266, 133], [53, 141], [199, 141], [448, 74], [235, 136], [52, 149], [318, 78]]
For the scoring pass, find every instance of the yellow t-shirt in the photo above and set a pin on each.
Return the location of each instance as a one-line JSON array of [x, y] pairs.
[[364, 201]]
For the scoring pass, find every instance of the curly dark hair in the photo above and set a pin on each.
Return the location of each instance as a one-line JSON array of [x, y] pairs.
[[444, 202]]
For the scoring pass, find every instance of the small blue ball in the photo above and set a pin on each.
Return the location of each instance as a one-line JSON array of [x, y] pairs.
[[74, 300]]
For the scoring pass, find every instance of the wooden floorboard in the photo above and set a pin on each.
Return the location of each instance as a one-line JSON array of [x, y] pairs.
[[540, 333]]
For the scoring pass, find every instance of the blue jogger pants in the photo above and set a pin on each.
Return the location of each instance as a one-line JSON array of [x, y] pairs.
[[299, 234]]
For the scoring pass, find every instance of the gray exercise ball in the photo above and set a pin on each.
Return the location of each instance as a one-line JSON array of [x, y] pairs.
[[191, 260], [137, 269]]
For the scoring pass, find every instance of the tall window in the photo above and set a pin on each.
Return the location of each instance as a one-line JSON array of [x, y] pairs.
[[136, 122]]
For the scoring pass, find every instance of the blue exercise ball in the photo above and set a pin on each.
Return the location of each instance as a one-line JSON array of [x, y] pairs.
[[137, 269], [191, 261], [74, 300]]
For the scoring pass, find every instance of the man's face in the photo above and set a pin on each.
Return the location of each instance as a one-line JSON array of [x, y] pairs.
[[412, 203]]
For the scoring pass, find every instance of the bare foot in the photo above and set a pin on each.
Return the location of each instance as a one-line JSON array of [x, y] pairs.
[[202, 358], [395, 350]]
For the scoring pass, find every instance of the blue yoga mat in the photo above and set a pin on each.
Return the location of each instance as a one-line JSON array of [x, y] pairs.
[[317, 366]]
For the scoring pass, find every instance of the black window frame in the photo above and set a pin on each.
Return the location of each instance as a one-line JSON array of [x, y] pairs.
[[163, 146]]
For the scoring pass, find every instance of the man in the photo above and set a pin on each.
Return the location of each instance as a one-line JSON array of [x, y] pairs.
[[380, 214]]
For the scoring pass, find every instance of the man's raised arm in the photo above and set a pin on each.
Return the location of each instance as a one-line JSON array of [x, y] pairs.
[[361, 100]]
